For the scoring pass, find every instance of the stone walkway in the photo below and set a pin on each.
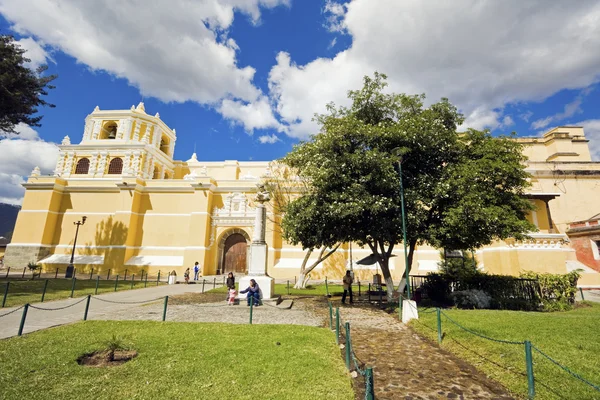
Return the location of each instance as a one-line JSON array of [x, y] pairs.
[[406, 366]]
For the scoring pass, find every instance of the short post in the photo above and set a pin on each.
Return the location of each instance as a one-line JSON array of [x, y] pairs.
[[369, 292], [165, 308], [370, 389], [203, 282], [87, 307], [337, 325], [22, 325], [326, 287], [24, 269], [132, 279], [97, 284], [223, 280], [116, 282], [288, 287], [529, 361], [439, 325], [56, 274], [91, 273], [7, 272], [158, 278], [330, 316], [358, 288], [146, 281], [295, 280], [214, 283], [5, 293], [108, 275], [44, 291], [125, 278], [73, 286], [251, 307], [348, 345], [581, 292]]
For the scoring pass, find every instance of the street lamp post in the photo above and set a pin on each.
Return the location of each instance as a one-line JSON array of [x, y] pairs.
[[399, 152], [70, 267]]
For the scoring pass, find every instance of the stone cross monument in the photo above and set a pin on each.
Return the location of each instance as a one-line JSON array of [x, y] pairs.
[[257, 269]]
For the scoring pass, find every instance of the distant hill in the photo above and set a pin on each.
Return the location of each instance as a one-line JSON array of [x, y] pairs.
[[8, 218]]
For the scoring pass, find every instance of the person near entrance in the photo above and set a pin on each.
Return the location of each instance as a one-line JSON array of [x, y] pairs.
[[230, 284], [196, 270], [347, 287], [253, 292], [186, 275]]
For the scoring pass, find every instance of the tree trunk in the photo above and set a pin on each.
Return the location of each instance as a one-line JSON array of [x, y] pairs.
[[301, 282], [302, 279], [383, 258]]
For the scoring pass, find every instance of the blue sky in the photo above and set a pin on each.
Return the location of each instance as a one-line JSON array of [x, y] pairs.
[[242, 79]]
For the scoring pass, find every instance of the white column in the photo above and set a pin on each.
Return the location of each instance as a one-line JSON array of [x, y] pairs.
[[59, 164], [69, 164]]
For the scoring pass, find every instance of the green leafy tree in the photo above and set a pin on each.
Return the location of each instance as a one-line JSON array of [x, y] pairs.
[[21, 89], [462, 190]]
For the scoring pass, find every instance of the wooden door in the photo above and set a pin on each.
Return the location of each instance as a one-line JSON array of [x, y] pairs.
[[234, 254]]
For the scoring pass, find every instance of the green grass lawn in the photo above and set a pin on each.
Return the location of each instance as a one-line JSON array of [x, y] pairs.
[[30, 291], [571, 338], [176, 360], [311, 290]]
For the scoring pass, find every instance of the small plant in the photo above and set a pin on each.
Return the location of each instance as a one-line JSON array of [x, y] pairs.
[[33, 267], [115, 343]]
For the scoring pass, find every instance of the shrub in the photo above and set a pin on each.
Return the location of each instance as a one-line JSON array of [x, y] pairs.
[[556, 292], [471, 299]]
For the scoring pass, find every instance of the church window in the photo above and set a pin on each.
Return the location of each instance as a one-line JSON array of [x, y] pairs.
[[115, 166], [83, 166], [164, 145], [109, 131]]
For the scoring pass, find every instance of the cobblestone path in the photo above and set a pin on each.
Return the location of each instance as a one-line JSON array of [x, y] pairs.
[[406, 366]]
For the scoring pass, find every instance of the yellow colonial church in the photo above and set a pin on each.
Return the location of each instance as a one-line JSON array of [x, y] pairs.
[[146, 211]]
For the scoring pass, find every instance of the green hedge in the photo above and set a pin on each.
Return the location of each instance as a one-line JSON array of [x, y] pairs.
[[540, 292]]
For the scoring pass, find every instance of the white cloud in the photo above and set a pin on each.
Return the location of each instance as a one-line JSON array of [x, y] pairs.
[[19, 155], [175, 51], [481, 55], [591, 127], [507, 121], [34, 51], [255, 115], [23, 131], [334, 12], [526, 116], [570, 109], [270, 139], [332, 43]]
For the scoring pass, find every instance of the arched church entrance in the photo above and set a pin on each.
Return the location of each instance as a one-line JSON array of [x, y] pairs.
[[235, 247]]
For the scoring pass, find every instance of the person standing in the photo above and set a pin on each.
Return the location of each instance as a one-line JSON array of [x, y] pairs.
[[347, 287], [186, 275], [230, 283], [196, 270]]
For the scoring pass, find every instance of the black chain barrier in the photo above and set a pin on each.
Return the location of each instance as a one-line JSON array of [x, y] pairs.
[[10, 312], [58, 308], [128, 302]]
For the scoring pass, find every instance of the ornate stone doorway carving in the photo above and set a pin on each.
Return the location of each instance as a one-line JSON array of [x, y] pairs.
[[233, 252]]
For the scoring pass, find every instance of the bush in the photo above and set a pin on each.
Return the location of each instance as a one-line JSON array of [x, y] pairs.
[[471, 299], [505, 292], [555, 292], [530, 291]]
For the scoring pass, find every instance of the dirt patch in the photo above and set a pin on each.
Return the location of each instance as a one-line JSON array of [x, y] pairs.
[[103, 358], [197, 298]]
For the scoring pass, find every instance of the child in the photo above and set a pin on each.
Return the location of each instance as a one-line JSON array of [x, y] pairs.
[[232, 294], [186, 275]]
